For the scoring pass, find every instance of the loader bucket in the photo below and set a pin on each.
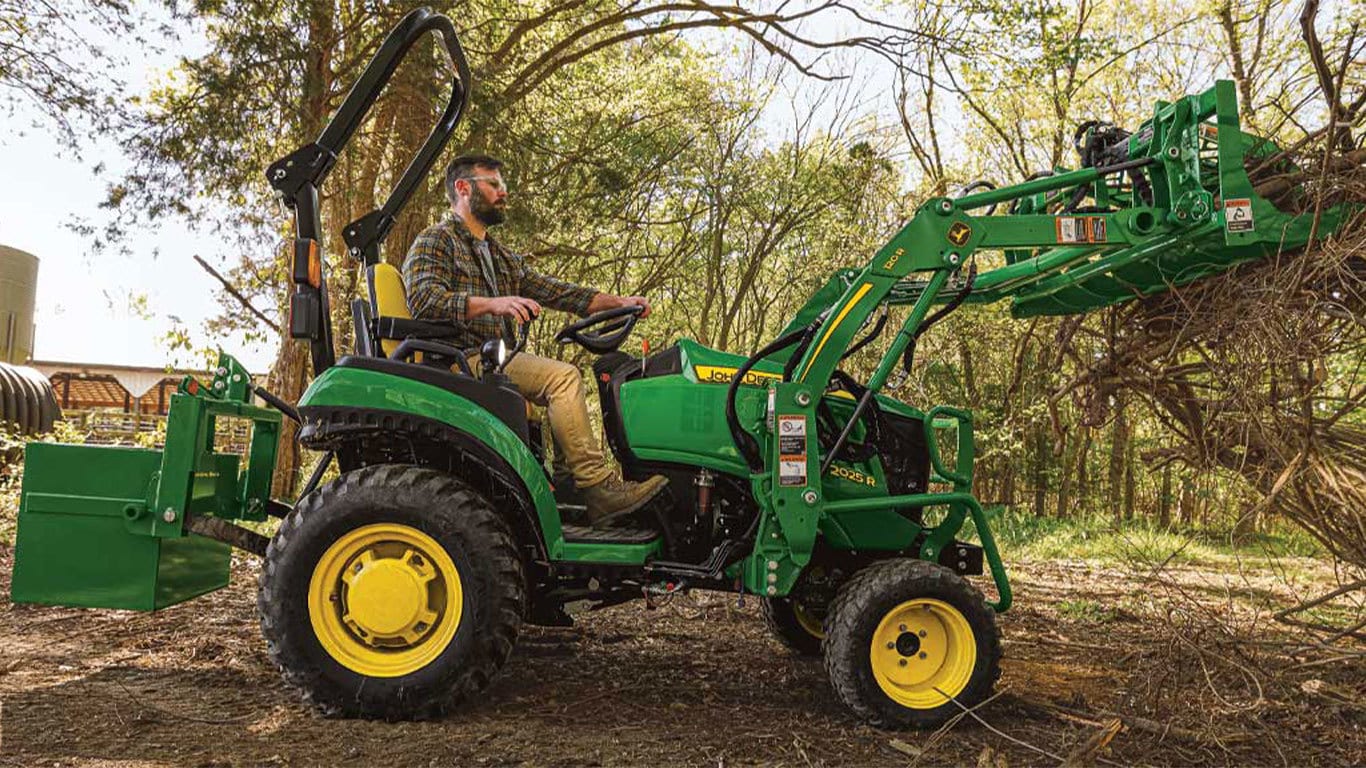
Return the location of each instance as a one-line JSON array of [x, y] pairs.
[[104, 526]]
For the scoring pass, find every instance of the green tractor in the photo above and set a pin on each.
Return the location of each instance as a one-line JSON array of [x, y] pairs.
[[397, 590]]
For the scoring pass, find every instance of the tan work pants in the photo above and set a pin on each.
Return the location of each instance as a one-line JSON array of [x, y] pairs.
[[558, 386]]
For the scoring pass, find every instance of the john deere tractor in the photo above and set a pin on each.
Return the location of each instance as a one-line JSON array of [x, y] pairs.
[[397, 590]]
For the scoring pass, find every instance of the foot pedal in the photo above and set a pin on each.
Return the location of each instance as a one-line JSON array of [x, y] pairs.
[[582, 534]]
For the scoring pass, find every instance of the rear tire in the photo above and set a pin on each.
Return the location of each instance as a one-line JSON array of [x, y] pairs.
[[393, 592], [901, 634], [794, 625]]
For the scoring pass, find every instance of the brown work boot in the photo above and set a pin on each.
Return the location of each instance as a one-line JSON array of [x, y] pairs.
[[611, 500]]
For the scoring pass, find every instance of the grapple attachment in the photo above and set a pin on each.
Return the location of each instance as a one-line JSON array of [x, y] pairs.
[[1184, 197], [1203, 211]]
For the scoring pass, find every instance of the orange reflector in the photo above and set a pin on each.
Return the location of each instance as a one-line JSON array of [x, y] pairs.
[[315, 265]]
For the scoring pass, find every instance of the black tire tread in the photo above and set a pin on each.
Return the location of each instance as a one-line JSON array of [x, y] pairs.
[[484, 530], [844, 660], [781, 620]]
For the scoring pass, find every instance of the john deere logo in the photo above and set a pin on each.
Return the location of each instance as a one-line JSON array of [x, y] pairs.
[[959, 233]]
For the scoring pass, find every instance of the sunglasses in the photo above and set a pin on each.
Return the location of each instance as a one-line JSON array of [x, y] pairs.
[[493, 181]]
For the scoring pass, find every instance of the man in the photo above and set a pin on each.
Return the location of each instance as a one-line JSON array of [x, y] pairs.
[[455, 271]]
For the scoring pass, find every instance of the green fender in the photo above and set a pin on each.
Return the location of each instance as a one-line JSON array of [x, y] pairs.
[[358, 388]]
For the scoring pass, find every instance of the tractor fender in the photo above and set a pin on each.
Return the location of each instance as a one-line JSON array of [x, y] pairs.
[[371, 417]]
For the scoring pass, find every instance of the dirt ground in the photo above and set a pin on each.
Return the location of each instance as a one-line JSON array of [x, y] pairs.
[[1187, 659]]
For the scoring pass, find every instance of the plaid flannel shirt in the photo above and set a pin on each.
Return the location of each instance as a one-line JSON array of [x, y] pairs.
[[442, 270]]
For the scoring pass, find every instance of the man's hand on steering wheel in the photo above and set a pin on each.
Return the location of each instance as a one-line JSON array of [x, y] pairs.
[[605, 301]]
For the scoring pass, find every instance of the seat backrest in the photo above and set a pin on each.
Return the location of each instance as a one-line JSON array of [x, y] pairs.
[[387, 298]]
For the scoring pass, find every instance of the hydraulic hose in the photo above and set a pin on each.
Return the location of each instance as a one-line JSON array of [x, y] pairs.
[[744, 441], [908, 356], [866, 340]]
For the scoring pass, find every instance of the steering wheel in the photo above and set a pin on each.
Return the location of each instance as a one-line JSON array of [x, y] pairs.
[[602, 332]]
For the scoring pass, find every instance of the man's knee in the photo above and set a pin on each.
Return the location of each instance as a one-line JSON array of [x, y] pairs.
[[564, 379]]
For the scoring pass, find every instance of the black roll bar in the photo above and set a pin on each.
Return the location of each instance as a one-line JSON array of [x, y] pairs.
[[298, 176]]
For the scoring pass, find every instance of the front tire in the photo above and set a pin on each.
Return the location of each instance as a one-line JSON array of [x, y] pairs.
[[393, 592], [794, 625], [906, 639]]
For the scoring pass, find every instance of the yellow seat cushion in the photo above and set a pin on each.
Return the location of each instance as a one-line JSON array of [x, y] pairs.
[[388, 299]]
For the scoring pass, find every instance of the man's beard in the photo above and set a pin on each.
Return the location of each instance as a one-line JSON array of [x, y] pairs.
[[486, 212]]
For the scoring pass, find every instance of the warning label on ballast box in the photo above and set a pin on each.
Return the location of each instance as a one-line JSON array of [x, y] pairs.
[[1238, 215], [1080, 229]]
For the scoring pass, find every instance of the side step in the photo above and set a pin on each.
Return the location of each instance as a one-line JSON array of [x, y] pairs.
[[582, 534]]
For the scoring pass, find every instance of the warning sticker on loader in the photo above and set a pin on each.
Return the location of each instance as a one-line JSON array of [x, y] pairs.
[[792, 450], [791, 472], [792, 436], [1238, 215], [1080, 229]]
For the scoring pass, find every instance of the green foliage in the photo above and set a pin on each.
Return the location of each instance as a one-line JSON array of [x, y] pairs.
[[47, 66], [1137, 542], [1086, 611]]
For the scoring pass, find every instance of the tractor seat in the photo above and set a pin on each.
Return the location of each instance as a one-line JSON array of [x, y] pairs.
[[393, 321]]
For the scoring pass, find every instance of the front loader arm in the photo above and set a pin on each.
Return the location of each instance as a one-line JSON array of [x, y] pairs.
[[1158, 208]]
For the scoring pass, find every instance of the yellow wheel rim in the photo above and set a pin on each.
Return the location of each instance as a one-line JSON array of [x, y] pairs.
[[385, 600], [807, 621], [920, 648]]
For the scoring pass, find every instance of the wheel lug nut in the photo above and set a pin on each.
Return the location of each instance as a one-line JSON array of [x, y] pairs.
[[923, 633], [890, 645], [902, 662], [923, 654], [902, 628]]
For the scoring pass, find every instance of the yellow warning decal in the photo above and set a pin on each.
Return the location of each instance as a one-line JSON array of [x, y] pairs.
[[717, 374]]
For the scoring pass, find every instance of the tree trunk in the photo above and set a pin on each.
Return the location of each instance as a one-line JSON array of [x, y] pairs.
[[1069, 452], [969, 374], [1008, 484], [1187, 502], [1083, 471], [1130, 484], [1164, 499], [1040, 472], [1119, 445]]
